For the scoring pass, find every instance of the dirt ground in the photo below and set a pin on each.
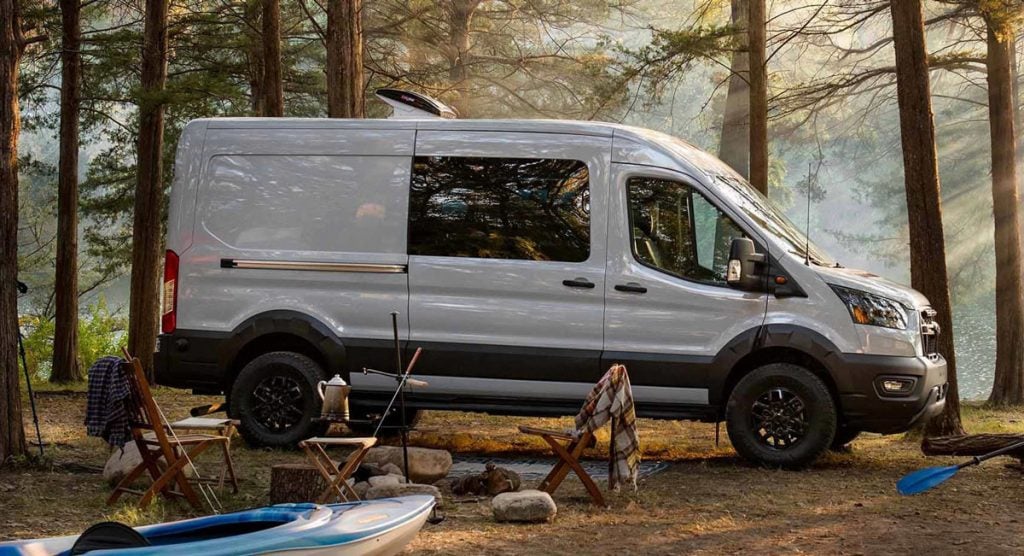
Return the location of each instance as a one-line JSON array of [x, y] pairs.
[[707, 502]]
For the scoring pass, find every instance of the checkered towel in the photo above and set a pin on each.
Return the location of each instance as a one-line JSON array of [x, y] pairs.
[[612, 400], [105, 414]]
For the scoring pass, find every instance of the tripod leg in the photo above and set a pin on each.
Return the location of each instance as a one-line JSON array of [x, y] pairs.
[[31, 395]]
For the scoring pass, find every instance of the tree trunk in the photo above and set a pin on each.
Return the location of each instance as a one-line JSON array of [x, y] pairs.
[[924, 197], [971, 444], [1018, 104], [254, 53], [295, 482], [12, 428], [461, 16], [66, 367], [734, 147], [1008, 387], [144, 305], [344, 59], [758, 96], [273, 84]]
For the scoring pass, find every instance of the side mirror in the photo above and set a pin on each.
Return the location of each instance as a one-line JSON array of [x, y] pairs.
[[743, 260]]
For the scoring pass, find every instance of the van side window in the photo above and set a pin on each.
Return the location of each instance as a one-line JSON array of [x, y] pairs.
[[500, 208], [677, 230]]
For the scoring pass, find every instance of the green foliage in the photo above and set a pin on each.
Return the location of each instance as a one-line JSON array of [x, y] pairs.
[[100, 333]]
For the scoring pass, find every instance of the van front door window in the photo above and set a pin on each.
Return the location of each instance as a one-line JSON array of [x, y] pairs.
[[677, 230]]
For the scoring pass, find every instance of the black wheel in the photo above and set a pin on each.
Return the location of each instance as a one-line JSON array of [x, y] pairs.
[[274, 398], [844, 436], [781, 415], [394, 419]]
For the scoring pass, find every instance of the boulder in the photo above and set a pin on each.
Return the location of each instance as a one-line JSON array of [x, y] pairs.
[[426, 465], [361, 487], [369, 470], [121, 462], [380, 480], [402, 489], [527, 506], [392, 469]]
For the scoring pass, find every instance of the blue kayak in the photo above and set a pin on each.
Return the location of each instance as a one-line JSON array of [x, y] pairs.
[[374, 527]]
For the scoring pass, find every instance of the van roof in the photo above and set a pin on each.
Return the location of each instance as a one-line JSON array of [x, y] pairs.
[[602, 129], [633, 144]]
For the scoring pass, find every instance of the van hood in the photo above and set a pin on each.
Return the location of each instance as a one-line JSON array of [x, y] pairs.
[[872, 283]]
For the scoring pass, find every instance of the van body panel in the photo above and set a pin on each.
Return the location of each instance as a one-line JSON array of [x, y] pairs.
[[478, 305], [300, 196], [188, 162], [822, 310]]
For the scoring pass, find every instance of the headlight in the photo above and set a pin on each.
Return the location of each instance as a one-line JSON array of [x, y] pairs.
[[871, 309]]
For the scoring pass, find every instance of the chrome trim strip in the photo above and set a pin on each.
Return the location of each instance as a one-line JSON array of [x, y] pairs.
[[315, 266]]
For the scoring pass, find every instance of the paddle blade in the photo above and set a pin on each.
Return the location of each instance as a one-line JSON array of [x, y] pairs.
[[924, 479]]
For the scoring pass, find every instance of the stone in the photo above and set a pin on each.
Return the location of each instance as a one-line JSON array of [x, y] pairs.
[[525, 506], [392, 469], [402, 489], [361, 487], [370, 470], [426, 465], [380, 480], [121, 462]]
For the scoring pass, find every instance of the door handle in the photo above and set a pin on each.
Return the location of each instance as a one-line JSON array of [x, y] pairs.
[[631, 287], [578, 283]]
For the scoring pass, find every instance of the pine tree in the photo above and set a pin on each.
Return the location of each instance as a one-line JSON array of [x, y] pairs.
[[924, 198]]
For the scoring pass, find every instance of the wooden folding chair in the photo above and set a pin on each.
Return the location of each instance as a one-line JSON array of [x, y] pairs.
[[568, 459], [150, 435], [335, 476]]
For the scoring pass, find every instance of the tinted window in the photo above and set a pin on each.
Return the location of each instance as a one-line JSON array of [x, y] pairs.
[[500, 208], [307, 203], [676, 229]]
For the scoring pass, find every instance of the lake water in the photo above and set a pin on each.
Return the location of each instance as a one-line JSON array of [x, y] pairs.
[[975, 329]]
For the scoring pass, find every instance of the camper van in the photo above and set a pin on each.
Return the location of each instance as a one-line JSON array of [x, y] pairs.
[[524, 257]]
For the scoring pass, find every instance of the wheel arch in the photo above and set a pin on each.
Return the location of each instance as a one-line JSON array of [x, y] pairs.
[[777, 343], [281, 331]]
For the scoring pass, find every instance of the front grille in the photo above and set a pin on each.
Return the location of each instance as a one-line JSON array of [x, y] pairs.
[[929, 333]]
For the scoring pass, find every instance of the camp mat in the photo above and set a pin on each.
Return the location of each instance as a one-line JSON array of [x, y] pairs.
[[538, 468]]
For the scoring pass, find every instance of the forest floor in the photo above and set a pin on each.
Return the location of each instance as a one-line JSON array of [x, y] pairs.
[[707, 500]]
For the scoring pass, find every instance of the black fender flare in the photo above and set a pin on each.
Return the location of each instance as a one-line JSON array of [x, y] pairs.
[[741, 355], [281, 322]]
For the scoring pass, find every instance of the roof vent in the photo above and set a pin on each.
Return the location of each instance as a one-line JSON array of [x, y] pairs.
[[407, 105]]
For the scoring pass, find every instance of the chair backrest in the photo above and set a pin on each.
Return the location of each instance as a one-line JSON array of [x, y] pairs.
[[144, 412]]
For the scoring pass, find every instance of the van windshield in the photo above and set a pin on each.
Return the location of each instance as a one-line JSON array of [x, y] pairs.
[[772, 221]]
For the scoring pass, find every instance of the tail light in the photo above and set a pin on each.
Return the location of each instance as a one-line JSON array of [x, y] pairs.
[[169, 317]]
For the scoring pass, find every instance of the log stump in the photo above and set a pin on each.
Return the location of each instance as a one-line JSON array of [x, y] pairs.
[[971, 445], [295, 482]]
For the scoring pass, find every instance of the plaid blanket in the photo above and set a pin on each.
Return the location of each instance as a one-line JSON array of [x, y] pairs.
[[612, 400], [105, 414]]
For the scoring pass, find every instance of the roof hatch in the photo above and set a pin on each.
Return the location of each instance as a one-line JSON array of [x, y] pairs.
[[407, 105]]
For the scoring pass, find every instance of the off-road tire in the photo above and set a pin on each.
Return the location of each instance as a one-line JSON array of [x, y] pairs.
[[819, 416], [301, 375]]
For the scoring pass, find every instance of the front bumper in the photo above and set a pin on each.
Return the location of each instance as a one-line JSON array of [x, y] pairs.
[[865, 408]]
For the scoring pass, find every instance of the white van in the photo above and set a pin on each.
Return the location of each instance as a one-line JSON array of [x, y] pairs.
[[525, 257]]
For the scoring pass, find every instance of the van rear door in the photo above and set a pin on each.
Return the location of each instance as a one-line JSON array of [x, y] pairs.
[[507, 261]]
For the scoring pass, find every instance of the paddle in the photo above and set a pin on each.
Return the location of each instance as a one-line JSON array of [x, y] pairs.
[[924, 479]]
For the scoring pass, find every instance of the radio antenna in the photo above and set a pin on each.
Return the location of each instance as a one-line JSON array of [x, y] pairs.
[[807, 229]]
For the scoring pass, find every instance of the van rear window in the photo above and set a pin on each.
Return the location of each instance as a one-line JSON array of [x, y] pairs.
[[312, 204], [500, 208]]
